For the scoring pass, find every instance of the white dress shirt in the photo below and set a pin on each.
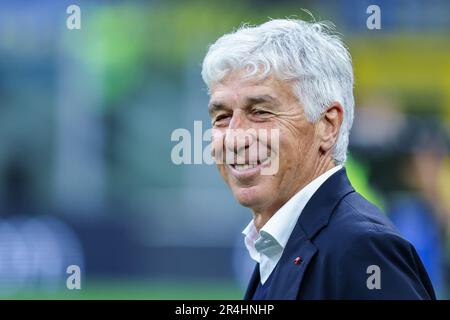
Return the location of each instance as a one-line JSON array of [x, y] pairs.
[[267, 245]]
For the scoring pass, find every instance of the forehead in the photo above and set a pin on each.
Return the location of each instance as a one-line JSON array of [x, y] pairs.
[[236, 86]]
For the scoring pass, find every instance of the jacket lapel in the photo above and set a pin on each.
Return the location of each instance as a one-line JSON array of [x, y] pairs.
[[300, 250], [288, 276], [252, 284]]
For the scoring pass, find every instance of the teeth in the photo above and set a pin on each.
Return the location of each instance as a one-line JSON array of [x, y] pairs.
[[242, 167]]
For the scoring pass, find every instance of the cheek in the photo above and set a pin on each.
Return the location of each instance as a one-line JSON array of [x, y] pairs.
[[296, 143], [217, 143]]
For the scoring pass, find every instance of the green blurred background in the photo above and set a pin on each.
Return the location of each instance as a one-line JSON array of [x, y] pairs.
[[86, 118]]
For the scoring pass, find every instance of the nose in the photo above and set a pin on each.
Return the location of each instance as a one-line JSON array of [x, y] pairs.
[[238, 137]]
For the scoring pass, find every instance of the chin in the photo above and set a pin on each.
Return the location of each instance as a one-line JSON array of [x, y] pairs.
[[250, 197]]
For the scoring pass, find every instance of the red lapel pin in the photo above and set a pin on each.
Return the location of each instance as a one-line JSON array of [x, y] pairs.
[[297, 260]]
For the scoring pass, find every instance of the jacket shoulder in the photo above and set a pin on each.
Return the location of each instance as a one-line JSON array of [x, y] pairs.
[[359, 239], [354, 216]]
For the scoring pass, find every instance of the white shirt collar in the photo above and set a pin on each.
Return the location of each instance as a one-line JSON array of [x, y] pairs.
[[267, 245]]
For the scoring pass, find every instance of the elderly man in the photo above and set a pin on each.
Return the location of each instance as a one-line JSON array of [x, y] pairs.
[[312, 235]]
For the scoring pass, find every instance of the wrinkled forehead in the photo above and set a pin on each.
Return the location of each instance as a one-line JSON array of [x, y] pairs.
[[238, 85]]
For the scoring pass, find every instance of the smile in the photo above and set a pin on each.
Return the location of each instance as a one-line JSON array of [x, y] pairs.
[[243, 167], [247, 170]]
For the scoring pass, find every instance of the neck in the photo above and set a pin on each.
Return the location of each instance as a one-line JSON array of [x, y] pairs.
[[261, 216]]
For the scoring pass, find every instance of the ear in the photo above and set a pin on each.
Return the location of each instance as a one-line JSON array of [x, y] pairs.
[[329, 126]]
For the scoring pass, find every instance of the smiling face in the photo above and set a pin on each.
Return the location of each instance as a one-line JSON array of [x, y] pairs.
[[267, 104]]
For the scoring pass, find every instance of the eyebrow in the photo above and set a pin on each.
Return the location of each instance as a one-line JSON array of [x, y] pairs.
[[216, 106]]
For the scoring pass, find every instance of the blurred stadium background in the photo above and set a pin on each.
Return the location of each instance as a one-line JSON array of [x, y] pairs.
[[86, 117]]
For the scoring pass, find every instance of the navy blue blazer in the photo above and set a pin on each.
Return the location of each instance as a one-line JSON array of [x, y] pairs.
[[337, 238]]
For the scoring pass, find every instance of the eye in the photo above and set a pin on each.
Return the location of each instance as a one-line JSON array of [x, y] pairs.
[[224, 116], [261, 113], [220, 119]]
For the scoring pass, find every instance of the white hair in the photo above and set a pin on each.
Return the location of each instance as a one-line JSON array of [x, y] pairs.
[[308, 53]]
